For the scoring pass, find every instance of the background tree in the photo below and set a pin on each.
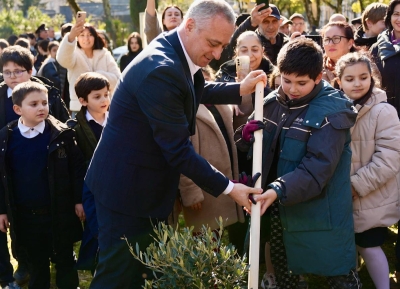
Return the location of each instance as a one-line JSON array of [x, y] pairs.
[[136, 6], [109, 21], [25, 4], [360, 5], [313, 11], [336, 5], [74, 6]]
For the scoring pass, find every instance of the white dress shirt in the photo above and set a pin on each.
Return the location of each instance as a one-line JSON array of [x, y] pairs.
[[30, 132]]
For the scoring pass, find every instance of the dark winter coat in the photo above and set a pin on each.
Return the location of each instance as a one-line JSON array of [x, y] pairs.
[[387, 58], [127, 58], [270, 50], [49, 70], [85, 137], [311, 175], [57, 106], [361, 41], [65, 173]]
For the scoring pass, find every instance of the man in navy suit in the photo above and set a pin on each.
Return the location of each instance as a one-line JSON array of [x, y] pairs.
[[145, 145]]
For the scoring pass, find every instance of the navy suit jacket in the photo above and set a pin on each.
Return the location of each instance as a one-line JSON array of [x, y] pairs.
[[145, 145]]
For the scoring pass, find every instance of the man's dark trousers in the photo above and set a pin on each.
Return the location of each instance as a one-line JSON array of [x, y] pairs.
[[117, 268]]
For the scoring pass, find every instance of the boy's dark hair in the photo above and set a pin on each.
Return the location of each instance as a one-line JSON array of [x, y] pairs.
[[301, 56], [65, 28], [31, 36], [44, 44], [23, 42], [3, 43], [88, 82], [23, 89], [98, 42], [389, 14], [12, 38], [17, 54]]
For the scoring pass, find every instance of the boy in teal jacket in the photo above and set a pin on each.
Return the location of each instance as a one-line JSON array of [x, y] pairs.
[[306, 171]]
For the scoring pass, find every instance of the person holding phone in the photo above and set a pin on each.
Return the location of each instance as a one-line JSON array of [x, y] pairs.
[[82, 50], [265, 22]]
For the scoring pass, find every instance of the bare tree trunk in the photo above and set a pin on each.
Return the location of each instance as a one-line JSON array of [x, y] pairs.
[[361, 5], [313, 18], [74, 6], [109, 22]]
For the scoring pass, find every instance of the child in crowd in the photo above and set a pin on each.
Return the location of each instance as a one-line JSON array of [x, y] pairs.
[[275, 79], [42, 177], [16, 63], [307, 172], [375, 163], [93, 91]]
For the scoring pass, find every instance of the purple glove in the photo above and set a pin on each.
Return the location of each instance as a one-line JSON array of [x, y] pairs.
[[249, 129], [248, 181]]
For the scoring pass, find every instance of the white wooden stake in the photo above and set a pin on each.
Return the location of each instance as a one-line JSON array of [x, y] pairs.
[[255, 209]]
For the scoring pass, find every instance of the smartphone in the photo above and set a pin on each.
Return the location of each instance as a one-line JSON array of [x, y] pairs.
[[242, 66], [316, 38], [266, 2], [81, 15]]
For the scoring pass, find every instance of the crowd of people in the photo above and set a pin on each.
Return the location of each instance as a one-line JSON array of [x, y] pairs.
[[100, 153]]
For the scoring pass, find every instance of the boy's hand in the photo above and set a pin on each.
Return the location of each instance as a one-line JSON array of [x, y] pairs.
[[249, 129], [80, 212], [4, 225], [266, 199]]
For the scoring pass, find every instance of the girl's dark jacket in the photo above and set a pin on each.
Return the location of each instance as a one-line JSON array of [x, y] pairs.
[[387, 58], [57, 106], [65, 173]]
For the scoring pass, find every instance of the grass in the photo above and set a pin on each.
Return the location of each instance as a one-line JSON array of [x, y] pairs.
[[314, 282]]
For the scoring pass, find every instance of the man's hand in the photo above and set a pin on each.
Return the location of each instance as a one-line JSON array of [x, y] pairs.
[[295, 35], [248, 85], [258, 16], [196, 207], [80, 212], [240, 194], [4, 225], [266, 199]]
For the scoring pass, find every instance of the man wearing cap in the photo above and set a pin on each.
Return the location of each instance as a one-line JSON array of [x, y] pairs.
[[266, 23], [284, 28], [298, 23], [41, 32]]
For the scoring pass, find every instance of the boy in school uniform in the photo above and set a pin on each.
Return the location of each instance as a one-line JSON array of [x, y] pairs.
[[93, 91], [306, 171], [16, 63], [42, 173]]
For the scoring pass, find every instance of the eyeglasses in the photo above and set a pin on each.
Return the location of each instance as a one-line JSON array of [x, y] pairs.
[[335, 39], [16, 73]]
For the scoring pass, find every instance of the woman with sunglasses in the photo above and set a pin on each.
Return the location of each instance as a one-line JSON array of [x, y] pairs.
[[337, 40]]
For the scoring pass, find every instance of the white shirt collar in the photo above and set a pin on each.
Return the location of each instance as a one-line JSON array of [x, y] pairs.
[[31, 132], [9, 92], [192, 67], [89, 117]]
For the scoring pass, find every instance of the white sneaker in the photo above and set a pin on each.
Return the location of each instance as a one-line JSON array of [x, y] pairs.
[[268, 281]]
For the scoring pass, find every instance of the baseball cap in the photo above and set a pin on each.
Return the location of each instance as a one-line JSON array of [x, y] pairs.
[[296, 15], [275, 11], [285, 21]]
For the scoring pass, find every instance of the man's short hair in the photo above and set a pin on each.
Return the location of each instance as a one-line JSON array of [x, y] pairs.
[[23, 43], [88, 82], [374, 12], [203, 11], [301, 56], [23, 89], [17, 54]]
